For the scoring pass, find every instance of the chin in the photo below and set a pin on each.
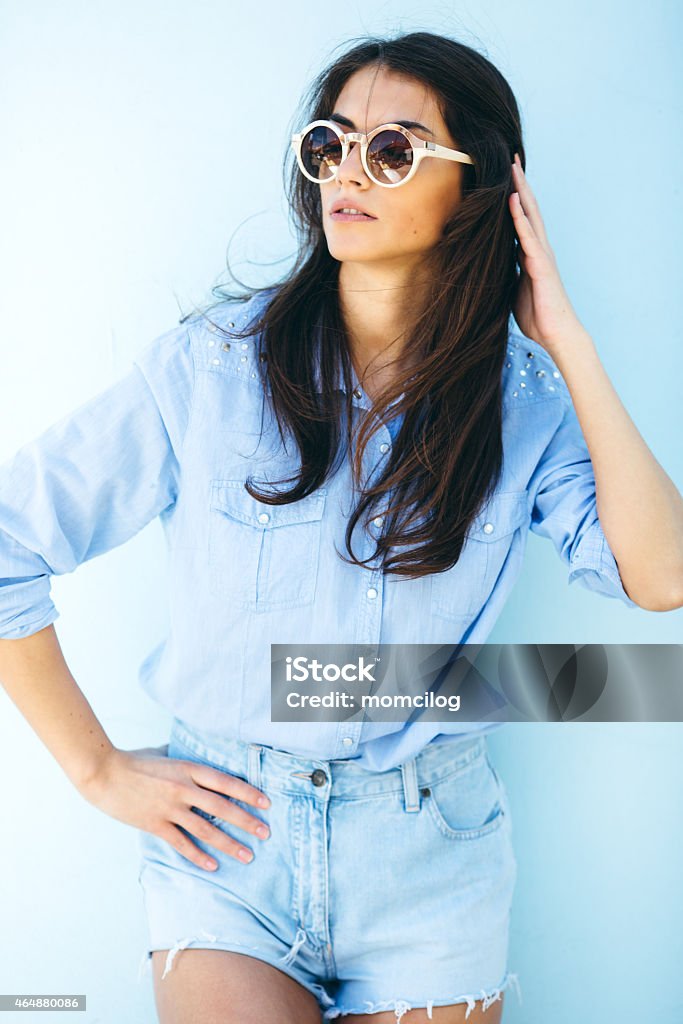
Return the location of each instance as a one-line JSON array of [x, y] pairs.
[[350, 249]]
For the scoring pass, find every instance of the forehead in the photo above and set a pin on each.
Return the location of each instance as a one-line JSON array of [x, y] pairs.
[[371, 97]]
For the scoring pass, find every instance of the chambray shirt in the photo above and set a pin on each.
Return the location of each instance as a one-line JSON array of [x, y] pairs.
[[177, 435]]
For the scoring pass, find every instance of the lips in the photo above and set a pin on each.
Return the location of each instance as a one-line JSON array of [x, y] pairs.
[[340, 204], [358, 218]]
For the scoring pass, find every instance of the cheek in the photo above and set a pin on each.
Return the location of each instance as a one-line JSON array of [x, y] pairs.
[[422, 224], [412, 220], [423, 217]]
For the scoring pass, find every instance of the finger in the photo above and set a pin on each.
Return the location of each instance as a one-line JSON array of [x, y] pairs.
[[229, 785], [528, 198], [227, 810], [182, 843], [527, 236], [215, 836]]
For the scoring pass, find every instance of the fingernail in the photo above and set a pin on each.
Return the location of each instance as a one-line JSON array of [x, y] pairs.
[[245, 855], [264, 801], [262, 831]]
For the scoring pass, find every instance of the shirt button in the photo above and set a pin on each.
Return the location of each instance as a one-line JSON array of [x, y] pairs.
[[372, 592], [488, 527], [378, 521], [263, 517], [215, 362], [212, 327], [318, 777], [384, 447], [358, 393], [347, 741]]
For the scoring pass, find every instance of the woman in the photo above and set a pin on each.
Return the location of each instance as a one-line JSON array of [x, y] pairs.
[[351, 868]]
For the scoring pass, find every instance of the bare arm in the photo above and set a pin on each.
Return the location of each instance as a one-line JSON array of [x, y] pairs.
[[639, 506], [139, 787], [640, 509], [37, 679]]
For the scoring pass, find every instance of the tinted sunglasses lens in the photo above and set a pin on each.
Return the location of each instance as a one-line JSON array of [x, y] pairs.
[[321, 152], [390, 157]]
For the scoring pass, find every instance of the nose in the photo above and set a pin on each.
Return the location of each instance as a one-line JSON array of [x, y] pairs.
[[352, 168]]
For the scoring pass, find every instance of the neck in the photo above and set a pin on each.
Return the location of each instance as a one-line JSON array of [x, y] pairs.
[[379, 309]]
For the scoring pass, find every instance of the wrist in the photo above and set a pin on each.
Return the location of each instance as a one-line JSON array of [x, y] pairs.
[[565, 349], [89, 775]]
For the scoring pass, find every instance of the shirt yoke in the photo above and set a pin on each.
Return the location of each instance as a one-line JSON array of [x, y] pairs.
[[529, 373]]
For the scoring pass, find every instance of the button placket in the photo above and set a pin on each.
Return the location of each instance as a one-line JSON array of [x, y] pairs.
[[348, 737]]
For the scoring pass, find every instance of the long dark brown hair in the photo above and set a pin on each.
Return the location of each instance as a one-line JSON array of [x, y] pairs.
[[447, 457]]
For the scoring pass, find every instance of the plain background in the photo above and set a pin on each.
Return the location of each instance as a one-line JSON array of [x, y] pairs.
[[141, 142]]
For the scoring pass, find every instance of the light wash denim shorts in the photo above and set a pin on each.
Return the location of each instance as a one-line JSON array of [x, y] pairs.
[[375, 890]]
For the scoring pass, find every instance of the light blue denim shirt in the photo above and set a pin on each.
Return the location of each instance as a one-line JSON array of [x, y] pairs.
[[176, 437]]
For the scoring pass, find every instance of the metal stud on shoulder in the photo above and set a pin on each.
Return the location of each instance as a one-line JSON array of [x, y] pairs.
[[539, 373]]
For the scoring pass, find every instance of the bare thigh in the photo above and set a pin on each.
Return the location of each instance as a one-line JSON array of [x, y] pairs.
[[216, 986], [454, 1014]]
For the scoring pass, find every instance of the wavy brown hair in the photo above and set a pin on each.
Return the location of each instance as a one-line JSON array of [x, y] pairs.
[[447, 457]]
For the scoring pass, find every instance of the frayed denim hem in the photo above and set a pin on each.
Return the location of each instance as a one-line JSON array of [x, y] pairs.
[[401, 1006]]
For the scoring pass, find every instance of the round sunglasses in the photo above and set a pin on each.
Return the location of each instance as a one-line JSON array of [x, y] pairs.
[[390, 154]]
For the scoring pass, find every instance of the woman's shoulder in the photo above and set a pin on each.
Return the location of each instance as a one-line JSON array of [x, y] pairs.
[[200, 340], [530, 376], [231, 313]]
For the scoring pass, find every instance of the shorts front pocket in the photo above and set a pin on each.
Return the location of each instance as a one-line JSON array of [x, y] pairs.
[[467, 804], [263, 557]]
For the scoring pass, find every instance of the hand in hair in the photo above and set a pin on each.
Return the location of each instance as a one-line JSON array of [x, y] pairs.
[[542, 307]]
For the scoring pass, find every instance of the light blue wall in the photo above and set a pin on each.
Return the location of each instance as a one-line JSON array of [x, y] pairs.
[[125, 172]]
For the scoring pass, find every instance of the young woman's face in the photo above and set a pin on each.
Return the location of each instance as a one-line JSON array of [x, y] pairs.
[[411, 217]]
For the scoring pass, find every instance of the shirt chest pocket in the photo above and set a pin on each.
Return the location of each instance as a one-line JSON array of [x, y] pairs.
[[263, 557], [463, 590]]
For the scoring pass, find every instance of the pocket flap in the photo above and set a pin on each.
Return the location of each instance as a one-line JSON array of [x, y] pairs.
[[504, 514], [229, 496]]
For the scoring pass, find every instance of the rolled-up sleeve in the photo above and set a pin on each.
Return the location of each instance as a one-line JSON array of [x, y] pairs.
[[565, 509], [92, 480]]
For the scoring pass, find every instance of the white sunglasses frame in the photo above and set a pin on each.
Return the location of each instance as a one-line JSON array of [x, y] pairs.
[[421, 149]]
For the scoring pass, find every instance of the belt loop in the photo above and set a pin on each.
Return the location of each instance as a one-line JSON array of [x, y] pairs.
[[254, 765], [410, 790]]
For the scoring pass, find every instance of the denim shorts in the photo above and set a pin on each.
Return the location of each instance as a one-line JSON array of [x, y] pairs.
[[375, 890]]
